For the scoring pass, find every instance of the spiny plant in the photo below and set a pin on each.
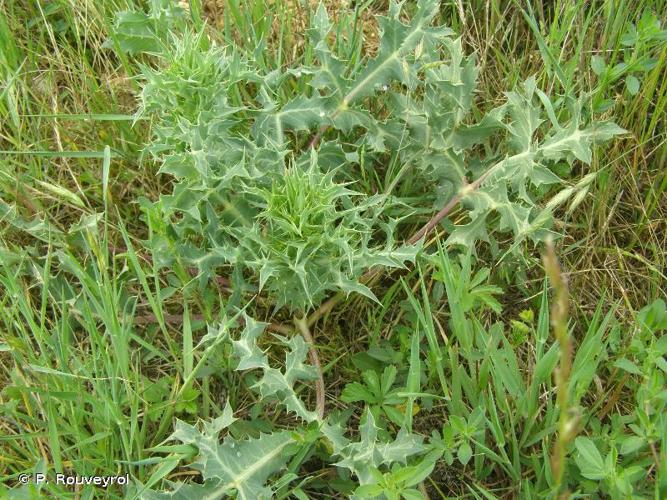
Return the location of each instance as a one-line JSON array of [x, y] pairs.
[[485, 381], [243, 466], [310, 194], [311, 237], [227, 131]]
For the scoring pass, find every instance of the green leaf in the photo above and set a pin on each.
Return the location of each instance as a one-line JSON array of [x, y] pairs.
[[369, 453], [464, 453], [631, 444], [577, 142], [355, 391], [412, 494], [598, 65], [250, 356], [274, 383], [628, 366], [246, 465], [589, 460], [413, 475], [301, 113], [632, 84], [138, 32], [369, 491], [241, 466], [397, 41]]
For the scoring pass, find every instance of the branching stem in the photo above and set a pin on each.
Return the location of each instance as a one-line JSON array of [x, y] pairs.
[[375, 271], [466, 190]]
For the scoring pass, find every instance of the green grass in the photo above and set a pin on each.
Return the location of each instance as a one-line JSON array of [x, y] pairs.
[[99, 346]]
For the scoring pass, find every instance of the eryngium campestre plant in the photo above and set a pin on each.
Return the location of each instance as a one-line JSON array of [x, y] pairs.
[[312, 236], [226, 127]]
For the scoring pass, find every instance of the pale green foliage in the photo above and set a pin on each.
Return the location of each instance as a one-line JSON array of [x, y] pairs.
[[234, 144], [276, 385], [311, 237], [504, 184], [138, 32], [262, 186], [367, 455], [230, 466], [243, 467]]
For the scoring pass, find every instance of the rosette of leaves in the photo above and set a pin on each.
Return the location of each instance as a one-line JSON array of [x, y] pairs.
[[310, 237], [226, 130]]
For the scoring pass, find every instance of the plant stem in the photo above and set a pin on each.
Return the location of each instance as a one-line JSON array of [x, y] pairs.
[[559, 316], [302, 325], [375, 271], [435, 219], [316, 138]]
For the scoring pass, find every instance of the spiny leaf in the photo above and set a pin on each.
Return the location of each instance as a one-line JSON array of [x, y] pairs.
[[250, 356], [274, 383], [139, 32], [240, 466], [368, 453], [243, 182], [397, 41], [302, 113]]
